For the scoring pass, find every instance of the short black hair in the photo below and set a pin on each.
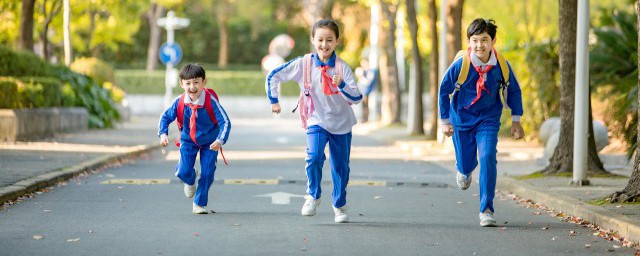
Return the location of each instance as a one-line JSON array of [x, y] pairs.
[[192, 71], [326, 23], [480, 25]]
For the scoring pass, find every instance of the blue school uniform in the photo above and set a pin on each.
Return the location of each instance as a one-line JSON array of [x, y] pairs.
[[476, 126], [206, 133]]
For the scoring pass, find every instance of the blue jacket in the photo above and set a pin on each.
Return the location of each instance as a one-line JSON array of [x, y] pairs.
[[206, 131], [455, 109]]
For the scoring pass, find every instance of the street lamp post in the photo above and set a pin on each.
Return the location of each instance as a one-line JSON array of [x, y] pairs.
[[170, 52]]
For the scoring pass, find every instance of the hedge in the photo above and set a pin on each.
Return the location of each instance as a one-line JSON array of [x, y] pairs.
[[22, 63], [234, 82], [34, 92]]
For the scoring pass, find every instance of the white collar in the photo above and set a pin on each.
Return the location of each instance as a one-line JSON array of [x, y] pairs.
[[199, 101], [478, 63]]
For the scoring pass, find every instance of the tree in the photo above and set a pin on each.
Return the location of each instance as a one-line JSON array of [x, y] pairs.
[[433, 69], [454, 26], [631, 192], [25, 41], [153, 14], [222, 11], [391, 99], [562, 159], [416, 127], [56, 6]]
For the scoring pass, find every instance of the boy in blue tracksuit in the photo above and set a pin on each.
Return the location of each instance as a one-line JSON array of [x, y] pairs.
[[472, 113], [205, 128]]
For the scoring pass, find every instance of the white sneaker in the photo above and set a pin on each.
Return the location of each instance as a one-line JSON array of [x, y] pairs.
[[463, 181], [486, 219], [310, 205], [341, 215], [199, 209], [190, 190]]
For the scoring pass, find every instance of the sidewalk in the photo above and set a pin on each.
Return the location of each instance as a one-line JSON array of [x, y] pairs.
[[517, 158], [29, 166]]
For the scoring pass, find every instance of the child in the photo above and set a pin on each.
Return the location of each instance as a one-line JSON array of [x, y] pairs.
[[366, 83], [328, 116], [472, 113], [204, 131]]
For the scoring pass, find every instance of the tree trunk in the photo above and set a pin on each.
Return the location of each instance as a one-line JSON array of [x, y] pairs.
[[433, 70], [631, 192], [55, 9], [153, 14], [416, 87], [223, 58], [326, 9], [389, 73], [25, 40], [562, 159], [454, 27]]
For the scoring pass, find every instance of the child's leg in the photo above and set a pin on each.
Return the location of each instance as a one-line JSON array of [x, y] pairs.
[[487, 137], [317, 138], [208, 159], [184, 168], [465, 146], [340, 150]]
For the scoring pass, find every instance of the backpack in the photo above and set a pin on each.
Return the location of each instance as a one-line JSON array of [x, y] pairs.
[[466, 65], [207, 105], [305, 102]]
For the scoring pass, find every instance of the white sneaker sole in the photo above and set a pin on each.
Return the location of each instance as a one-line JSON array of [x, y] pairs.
[[488, 223]]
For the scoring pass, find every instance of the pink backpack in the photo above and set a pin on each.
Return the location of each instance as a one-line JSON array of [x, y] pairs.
[[306, 102]]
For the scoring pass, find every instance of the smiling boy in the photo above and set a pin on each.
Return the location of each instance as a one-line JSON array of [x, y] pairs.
[[471, 112], [206, 128]]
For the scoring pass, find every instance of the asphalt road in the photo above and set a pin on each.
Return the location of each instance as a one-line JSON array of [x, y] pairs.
[[397, 206]]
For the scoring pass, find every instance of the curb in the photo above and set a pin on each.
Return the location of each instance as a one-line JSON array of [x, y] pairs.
[[626, 227], [41, 181]]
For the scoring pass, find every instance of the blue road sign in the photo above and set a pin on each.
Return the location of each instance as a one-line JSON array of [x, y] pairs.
[[170, 53]]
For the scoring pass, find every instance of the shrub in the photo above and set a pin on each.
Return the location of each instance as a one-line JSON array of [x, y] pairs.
[[8, 93], [99, 70], [22, 63]]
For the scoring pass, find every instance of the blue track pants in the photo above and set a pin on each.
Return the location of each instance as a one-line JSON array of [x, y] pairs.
[[340, 151], [186, 172], [479, 143]]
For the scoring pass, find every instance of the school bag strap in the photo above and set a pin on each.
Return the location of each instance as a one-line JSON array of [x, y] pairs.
[[207, 105]]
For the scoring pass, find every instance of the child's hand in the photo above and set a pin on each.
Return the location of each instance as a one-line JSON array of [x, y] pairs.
[[215, 146], [517, 131], [275, 108], [447, 129], [337, 80], [164, 141]]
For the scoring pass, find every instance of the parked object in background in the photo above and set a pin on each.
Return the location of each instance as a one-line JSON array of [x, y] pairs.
[[549, 135]]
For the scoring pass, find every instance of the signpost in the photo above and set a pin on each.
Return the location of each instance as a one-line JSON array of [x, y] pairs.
[[170, 52]]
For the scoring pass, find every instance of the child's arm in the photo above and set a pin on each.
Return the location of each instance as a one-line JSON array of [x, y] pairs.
[[224, 124], [447, 86], [514, 101], [167, 118], [347, 85], [291, 70]]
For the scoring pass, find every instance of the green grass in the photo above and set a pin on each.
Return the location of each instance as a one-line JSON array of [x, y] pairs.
[[538, 174], [225, 82]]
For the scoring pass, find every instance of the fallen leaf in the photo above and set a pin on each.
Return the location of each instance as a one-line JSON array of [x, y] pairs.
[[196, 234], [73, 240], [529, 223], [537, 213], [212, 211], [459, 202], [109, 175], [617, 246], [46, 210], [587, 246], [236, 224], [618, 206], [545, 228], [38, 237], [90, 231], [572, 233], [377, 197]]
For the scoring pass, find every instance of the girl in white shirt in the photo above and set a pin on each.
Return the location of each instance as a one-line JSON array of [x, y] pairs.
[[326, 113]]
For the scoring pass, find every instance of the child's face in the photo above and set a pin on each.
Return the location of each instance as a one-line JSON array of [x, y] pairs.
[[324, 41], [193, 87], [481, 45]]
